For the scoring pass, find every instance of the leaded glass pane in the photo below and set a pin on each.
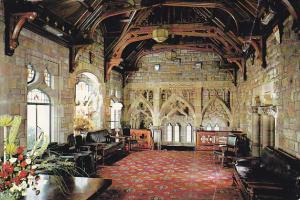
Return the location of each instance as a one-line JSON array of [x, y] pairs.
[[37, 96], [47, 76], [30, 74]]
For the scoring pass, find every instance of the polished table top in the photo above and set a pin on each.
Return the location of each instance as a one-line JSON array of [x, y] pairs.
[[80, 188]]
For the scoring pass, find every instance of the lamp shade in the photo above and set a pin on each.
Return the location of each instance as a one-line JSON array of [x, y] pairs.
[[160, 34]]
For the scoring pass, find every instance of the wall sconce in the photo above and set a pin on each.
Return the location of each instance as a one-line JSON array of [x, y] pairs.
[[198, 65], [157, 67]]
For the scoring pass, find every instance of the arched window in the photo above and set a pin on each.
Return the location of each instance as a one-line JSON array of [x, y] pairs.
[[115, 114], [189, 133], [208, 128], [169, 133], [30, 74], [216, 128], [38, 116], [89, 99], [48, 78], [177, 133]]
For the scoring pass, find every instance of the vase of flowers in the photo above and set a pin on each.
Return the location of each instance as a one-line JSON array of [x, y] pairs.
[[82, 125], [17, 168]]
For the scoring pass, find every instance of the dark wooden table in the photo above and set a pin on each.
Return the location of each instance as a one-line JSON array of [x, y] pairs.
[[80, 188]]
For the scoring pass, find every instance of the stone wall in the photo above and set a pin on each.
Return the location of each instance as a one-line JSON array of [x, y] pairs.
[[277, 85], [41, 53], [182, 68], [180, 92]]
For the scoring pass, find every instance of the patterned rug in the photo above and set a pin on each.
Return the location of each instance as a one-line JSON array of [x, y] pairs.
[[164, 175]]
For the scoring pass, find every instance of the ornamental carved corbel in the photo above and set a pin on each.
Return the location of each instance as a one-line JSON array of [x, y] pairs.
[[267, 110], [73, 58], [260, 47], [253, 109], [293, 6], [13, 26], [110, 65], [241, 63]]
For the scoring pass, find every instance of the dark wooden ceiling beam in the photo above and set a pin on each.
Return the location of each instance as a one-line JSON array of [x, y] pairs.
[[145, 33], [195, 30], [217, 4], [13, 26], [293, 6], [212, 4], [140, 16]]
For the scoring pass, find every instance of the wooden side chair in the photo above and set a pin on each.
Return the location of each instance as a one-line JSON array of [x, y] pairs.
[[129, 140], [227, 151]]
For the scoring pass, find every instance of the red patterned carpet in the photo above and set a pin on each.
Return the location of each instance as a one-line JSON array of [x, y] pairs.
[[164, 175]]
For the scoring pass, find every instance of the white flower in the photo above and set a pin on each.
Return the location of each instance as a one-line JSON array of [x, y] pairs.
[[23, 185], [30, 176], [33, 167], [24, 193], [28, 161], [12, 160], [13, 188]]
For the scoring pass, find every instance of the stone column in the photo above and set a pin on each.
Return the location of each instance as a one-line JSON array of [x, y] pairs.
[[265, 130], [156, 108], [197, 103], [272, 131], [255, 134]]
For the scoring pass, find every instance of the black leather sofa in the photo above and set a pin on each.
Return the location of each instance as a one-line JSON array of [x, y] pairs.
[[102, 144], [72, 151], [275, 175]]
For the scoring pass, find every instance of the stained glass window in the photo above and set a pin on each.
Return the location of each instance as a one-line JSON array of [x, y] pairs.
[[189, 133], [177, 133], [216, 128], [115, 114], [47, 76], [169, 133], [37, 96], [208, 128], [30, 74]]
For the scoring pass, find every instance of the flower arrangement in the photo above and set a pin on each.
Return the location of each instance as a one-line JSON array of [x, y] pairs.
[[17, 170], [83, 124]]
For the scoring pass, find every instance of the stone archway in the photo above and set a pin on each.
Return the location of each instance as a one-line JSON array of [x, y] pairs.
[[140, 114], [176, 111], [89, 98], [216, 113]]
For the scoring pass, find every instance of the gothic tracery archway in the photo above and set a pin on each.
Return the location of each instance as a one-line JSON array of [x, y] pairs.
[[216, 114], [140, 114]]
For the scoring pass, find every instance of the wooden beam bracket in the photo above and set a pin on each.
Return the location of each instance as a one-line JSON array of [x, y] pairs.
[[73, 58], [260, 47], [293, 6], [113, 62], [13, 27], [241, 63]]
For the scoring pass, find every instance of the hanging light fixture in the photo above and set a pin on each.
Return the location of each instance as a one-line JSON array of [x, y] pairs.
[[160, 34]]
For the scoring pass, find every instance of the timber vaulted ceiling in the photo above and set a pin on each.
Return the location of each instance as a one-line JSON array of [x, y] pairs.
[[233, 29]]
